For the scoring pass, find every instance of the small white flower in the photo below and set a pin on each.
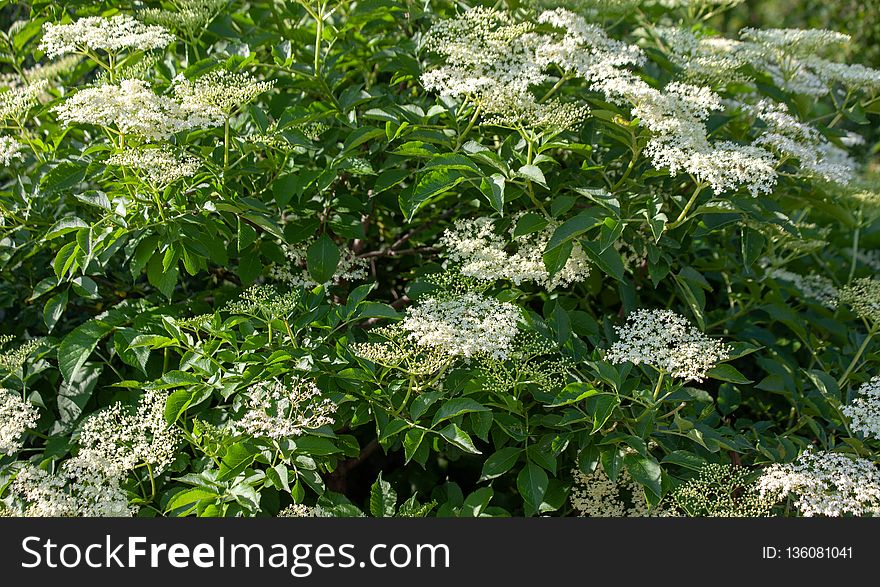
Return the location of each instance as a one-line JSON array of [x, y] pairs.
[[864, 411], [464, 325], [826, 484], [73, 491], [10, 149], [278, 411], [93, 33], [668, 342], [160, 166], [16, 417]]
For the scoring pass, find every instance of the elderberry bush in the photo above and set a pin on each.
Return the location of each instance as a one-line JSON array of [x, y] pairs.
[[398, 258]]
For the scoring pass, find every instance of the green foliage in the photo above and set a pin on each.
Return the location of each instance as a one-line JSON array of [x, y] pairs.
[[287, 246]]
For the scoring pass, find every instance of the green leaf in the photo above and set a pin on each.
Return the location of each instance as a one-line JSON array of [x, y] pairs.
[[533, 173], [555, 259], [532, 484], [322, 259], [456, 407], [646, 471], [163, 280], [493, 188], [65, 225], [529, 223], [431, 184], [608, 260], [238, 457], [54, 308], [500, 462], [573, 393], [411, 442], [176, 404], [63, 176], [459, 438], [76, 347], [188, 500], [725, 372], [383, 499]]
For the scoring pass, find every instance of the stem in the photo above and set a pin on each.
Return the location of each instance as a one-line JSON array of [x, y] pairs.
[[319, 34], [855, 245], [468, 128], [657, 387], [687, 208], [226, 145], [852, 364]]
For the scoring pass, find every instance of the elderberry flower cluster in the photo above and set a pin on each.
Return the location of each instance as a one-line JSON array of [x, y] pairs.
[[190, 18], [274, 410], [813, 286], [395, 350], [790, 138], [72, 491], [13, 358], [264, 301], [465, 325], [10, 149], [218, 93], [16, 417], [825, 484], [95, 33], [16, 101], [119, 438], [349, 267], [725, 491], [160, 166], [595, 495], [864, 411], [132, 107], [668, 342], [481, 253], [863, 296], [301, 510]]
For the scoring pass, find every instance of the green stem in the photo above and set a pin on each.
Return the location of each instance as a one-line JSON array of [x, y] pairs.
[[687, 208], [855, 359], [226, 145], [319, 34], [657, 387], [468, 128], [855, 245]]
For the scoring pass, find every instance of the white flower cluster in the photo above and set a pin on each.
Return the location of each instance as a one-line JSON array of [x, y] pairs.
[[723, 491], [668, 342], [73, 491], [191, 16], [10, 149], [159, 166], [790, 138], [349, 268], [264, 300], [40, 72], [132, 107], [791, 58], [826, 484], [16, 101], [117, 439], [218, 93], [864, 411], [863, 296], [597, 496], [93, 33], [713, 60], [496, 62], [465, 325], [278, 411], [482, 253], [816, 287], [16, 417], [301, 510], [396, 351]]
